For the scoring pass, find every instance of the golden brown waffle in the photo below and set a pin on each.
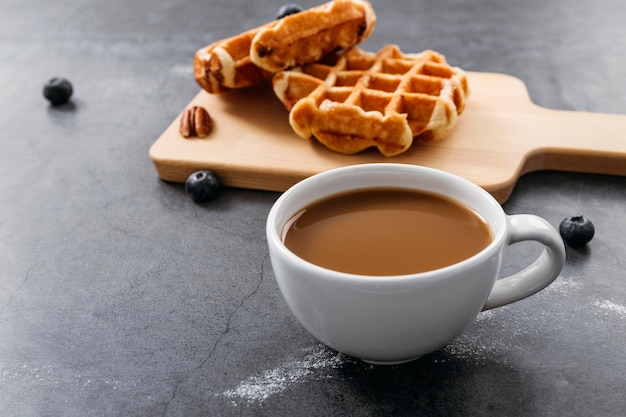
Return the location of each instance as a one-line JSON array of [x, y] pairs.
[[253, 56], [308, 36], [356, 99], [226, 64]]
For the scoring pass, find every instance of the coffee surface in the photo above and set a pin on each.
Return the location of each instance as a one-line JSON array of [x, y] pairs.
[[386, 231]]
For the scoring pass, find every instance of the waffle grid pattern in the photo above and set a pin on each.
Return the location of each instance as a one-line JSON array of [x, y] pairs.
[[384, 99]]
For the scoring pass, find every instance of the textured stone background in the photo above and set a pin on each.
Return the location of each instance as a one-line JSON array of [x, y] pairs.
[[121, 297]]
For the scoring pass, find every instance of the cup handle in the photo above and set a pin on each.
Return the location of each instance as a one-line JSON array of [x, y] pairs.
[[540, 273]]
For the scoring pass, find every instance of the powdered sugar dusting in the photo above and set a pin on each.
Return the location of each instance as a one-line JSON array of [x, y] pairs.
[[475, 347], [485, 315], [258, 388], [611, 307], [562, 286], [482, 342]]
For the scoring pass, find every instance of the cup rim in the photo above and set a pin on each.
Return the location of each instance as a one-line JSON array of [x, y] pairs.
[[274, 236]]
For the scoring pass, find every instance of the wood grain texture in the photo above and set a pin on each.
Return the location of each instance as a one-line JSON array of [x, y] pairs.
[[500, 136]]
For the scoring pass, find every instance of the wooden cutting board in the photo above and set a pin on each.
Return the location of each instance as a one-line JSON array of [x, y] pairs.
[[500, 136]]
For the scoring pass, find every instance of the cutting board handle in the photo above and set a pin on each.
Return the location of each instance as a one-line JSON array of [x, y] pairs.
[[578, 141]]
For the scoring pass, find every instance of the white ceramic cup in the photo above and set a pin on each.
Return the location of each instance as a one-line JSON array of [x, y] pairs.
[[395, 319]]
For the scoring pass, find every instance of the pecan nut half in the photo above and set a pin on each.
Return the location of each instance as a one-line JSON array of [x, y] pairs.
[[195, 121]]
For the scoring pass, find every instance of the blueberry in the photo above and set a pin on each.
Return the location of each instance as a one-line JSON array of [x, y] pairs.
[[287, 9], [202, 186], [576, 231], [58, 91]]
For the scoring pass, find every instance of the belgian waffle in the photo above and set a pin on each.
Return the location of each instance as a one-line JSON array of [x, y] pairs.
[[308, 36], [255, 55], [354, 100], [226, 64]]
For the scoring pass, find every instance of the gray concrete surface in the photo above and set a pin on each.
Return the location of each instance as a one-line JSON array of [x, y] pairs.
[[121, 297]]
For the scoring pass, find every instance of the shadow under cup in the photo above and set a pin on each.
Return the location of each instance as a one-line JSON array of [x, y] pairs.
[[390, 319]]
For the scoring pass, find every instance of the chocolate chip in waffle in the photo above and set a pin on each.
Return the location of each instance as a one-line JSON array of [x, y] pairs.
[[355, 100], [255, 55]]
